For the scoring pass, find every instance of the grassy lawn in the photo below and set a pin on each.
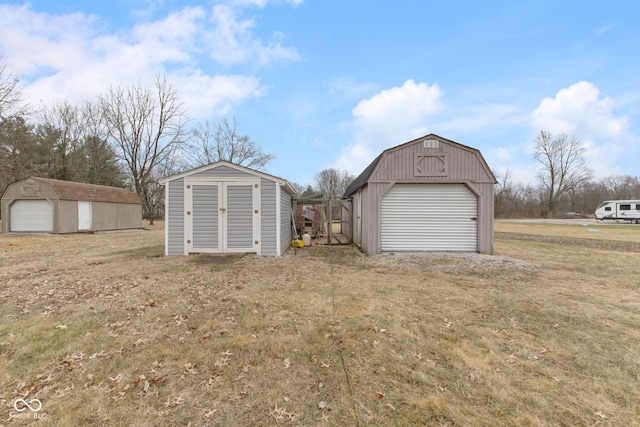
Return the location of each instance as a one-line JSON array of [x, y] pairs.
[[624, 232], [103, 329]]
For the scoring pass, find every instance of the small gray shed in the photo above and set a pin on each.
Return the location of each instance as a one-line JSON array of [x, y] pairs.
[[223, 207], [429, 194], [53, 206]]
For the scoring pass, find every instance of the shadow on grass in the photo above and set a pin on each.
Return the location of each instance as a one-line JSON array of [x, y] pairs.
[[215, 259], [155, 251]]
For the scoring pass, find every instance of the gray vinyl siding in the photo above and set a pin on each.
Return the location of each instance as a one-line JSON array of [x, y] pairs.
[[371, 221], [239, 216], [356, 230], [222, 173], [485, 215], [285, 221], [175, 218], [268, 218], [205, 217], [250, 201]]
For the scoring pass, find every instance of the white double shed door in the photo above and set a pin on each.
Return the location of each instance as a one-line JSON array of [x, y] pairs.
[[222, 216]]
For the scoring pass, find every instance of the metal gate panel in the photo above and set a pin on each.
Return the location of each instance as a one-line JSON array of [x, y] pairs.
[[31, 216], [429, 217]]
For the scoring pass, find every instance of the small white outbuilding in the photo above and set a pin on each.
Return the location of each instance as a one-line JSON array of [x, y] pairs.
[[223, 207]]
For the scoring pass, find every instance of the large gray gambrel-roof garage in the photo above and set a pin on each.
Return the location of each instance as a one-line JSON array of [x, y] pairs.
[[429, 194], [223, 207], [53, 206]]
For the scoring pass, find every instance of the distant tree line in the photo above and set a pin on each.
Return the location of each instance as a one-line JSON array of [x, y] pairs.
[[130, 137], [513, 200], [133, 135], [564, 183]]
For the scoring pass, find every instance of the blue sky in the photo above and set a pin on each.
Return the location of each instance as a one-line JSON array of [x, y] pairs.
[[325, 83]]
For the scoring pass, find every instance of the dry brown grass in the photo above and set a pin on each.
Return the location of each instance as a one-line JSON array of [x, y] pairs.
[[583, 229], [104, 330]]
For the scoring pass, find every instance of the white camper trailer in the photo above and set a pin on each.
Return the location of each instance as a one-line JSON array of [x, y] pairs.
[[628, 210]]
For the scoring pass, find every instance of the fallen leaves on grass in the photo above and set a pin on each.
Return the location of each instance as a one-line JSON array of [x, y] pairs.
[[223, 360], [190, 368], [210, 413], [171, 403], [281, 414]]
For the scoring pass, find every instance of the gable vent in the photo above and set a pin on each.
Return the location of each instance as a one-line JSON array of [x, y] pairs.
[[431, 143]]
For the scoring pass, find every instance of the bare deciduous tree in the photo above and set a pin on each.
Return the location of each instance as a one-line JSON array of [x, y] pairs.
[[224, 142], [13, 147], [73, 140], [146, 125], [101, 164], [622, 186], [11, 102], [332, 182], [563, 167], [503, 191], [64, 124]]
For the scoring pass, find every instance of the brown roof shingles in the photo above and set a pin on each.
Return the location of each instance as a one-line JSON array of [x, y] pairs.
[[68, 190]]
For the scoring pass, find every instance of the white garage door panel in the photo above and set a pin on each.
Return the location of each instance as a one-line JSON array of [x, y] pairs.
[[429, 217], [32, 216]]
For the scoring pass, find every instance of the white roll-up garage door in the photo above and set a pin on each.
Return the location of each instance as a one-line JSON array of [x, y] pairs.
[[429, 217], [31, 216]]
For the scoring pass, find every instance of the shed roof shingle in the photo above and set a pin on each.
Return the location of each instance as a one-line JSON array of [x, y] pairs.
[[68, 190]]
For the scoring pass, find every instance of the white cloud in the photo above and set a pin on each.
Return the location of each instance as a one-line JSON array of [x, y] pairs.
[[389, 118], [209, 96], [263, 3], [503, 154], [32, 40], [70, 57], [231, 40], [579, 111]]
